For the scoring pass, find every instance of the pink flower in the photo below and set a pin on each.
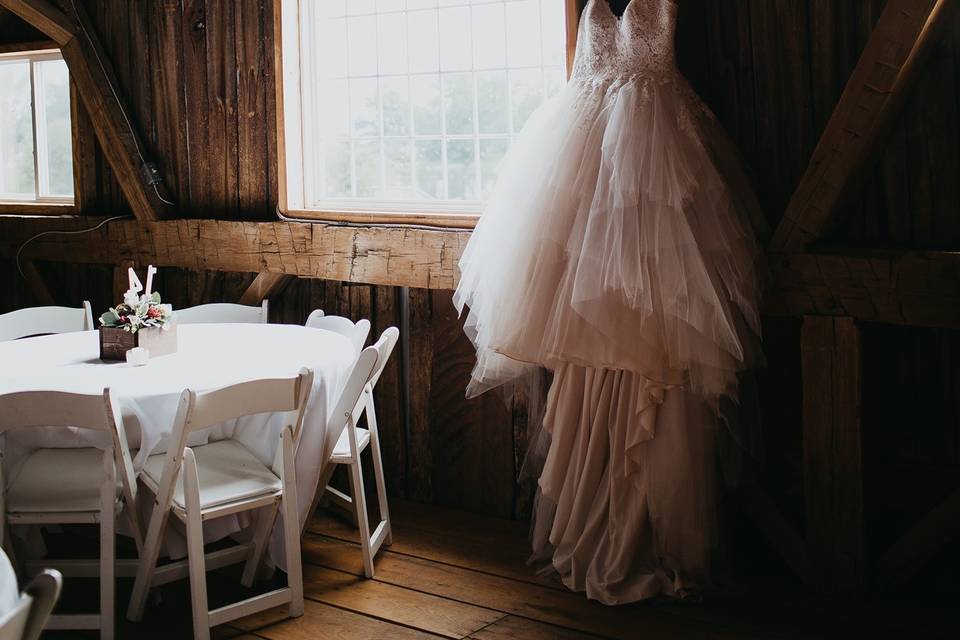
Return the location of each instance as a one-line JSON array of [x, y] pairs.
[[154, 312]]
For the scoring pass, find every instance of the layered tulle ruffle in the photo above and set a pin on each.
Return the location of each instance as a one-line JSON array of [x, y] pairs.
[[613, 241]]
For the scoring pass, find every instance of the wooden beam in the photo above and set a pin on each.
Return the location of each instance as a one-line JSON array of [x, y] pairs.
[[96, 83], [832, 456], [867, 107], [37, 45], [781, 535], [908, 555], [37, 286], [265, 285], [907, 288], [43, 16], [372, 255]]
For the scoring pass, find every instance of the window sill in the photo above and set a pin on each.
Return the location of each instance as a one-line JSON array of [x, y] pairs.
[[38, 208], [443, 220]]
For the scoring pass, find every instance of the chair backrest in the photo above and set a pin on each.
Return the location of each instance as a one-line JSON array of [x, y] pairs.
[[97, 412], [28, 618], [35, 321], [345, 411], [223, 312], [356, 332], [202, 410], [384, 346]]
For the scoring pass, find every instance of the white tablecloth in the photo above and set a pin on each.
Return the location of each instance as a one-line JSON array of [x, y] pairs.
[[208, 356]]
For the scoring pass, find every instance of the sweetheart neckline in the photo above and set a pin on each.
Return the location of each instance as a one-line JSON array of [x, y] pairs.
[[619, 18]]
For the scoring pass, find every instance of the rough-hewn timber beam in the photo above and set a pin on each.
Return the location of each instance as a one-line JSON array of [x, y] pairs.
[[386, 256], [832, 452], [908, 288], [265, 285], [870, 102], [911, 288], [97, 86]]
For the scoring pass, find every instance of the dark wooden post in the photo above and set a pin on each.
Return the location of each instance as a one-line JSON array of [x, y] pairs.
[[832, 464]]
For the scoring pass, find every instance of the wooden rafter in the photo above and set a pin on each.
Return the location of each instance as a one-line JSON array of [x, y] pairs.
[[854, 134], [912, 288], [97, 87], [265, 285]]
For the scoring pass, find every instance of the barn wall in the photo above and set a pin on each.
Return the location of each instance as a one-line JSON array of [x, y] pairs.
[[198, 76]]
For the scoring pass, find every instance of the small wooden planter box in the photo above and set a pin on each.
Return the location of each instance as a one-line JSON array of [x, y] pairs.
[[114, 343]]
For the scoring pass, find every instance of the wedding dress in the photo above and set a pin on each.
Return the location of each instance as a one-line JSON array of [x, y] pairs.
[[616, 250]]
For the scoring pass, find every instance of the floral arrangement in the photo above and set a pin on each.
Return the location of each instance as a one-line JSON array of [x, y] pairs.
[[138, 311]]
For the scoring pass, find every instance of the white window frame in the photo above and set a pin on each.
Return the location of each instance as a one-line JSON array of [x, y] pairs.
[[290, 130], [40, 161]]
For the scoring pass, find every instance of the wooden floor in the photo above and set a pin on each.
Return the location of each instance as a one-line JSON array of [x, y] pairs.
[[454, 575]]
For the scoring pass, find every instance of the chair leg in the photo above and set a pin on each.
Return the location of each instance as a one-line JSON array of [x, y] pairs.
[[195, 555], [291, 526], [378, 471], [148, 562], [107, 546], [363, 521], [261, 534]]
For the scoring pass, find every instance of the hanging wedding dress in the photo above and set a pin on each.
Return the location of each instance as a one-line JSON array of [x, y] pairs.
[[616, 250]]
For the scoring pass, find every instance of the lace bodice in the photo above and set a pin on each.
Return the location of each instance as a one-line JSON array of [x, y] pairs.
[[640, 43]]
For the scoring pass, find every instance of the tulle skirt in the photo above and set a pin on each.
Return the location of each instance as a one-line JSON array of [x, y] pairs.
[[615, 239]]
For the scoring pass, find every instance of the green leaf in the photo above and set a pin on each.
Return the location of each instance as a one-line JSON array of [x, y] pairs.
[[110, 318]]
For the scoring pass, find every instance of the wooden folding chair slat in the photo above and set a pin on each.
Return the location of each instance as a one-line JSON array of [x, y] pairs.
[[34, 321]]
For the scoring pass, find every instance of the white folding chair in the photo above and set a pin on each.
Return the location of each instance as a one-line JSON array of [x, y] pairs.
[[351, 443], [37, 321], [74, 486], [356, 332], [223, 313], [224, 478], [31, 609]]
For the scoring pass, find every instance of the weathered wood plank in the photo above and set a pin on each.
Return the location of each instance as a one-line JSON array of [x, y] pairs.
[[324, 622], [388, 256], [868, 105], [832, 452], [265, 285], [396, 604], [542, 604]]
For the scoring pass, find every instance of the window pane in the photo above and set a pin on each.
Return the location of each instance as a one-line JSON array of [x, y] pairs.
[[492, 106], [491, 153], [526, 94], [17, 178], [397, 169], [427, 115], [392, 48], [367, 158], [458, 103], [365, 107], [419, 100], [461, 170], [429, 169], [337, 175], [54, 83], [489, 36], [455, 39], [396, 106]]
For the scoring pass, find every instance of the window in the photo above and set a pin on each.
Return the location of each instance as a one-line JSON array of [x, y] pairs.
[[395, 106], [36, 156]]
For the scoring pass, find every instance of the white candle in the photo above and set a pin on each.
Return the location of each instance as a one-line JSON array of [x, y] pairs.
[[150, 271], [138, 356]]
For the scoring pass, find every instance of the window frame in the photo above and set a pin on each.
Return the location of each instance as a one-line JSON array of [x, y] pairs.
[[35, 52], [290, 152]]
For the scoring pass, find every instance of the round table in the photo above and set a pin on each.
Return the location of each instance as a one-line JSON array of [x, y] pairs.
[[209, 356]]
